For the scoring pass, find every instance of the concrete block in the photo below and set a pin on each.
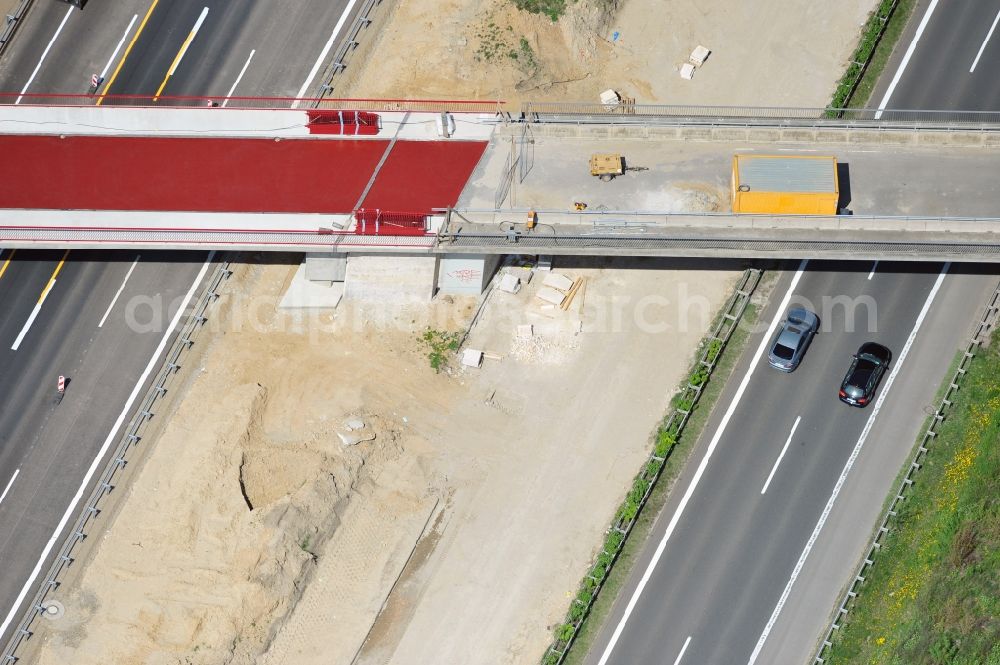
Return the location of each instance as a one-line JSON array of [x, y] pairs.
[[830, 136], [303, 293], [699, 55], [326, 267], [696, 133], [729, 134], [472, 358], [799, 135], [898, 138], [687, 71], [390, 278], [761, 135], [466, 274], [861, 136]]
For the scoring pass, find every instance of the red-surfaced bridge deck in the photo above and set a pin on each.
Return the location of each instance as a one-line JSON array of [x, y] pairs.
[[231, 174]]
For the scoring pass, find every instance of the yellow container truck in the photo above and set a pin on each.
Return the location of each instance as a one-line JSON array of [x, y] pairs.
[[785, 185]]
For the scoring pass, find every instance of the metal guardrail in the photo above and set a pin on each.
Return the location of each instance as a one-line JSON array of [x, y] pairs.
[[12, 21], [989, 318], [129, 440], [673, 426], [342, 56]]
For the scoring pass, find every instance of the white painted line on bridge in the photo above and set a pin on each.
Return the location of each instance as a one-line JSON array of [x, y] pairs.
[[850, 464], [121, 42], [325, 52], [119, 292], [983, 47], [906, 58], [45, 53], [239, 78], [765, 340], [683, 649], [780, 455], [7, 489], [872, 273], [54, 538]]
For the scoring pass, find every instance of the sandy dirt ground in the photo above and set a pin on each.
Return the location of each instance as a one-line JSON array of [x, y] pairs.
[[766, 52], [254, 534], [468, 504]]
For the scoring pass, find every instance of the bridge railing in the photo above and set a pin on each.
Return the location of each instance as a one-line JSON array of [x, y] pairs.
[[363, 104], [583, 112]]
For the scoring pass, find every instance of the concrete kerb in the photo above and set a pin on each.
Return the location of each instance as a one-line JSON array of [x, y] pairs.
[[888, 135], [988, 319], [116, 470]]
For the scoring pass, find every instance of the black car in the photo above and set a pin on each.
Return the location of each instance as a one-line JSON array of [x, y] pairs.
[[866, 371]]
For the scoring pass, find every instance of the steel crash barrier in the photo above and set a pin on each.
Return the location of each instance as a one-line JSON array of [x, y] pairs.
[[42, 602]]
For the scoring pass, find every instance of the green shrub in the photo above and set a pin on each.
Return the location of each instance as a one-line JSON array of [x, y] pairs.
[[664, 442], [564, 633], [699, 376], [638, 491], [551, 8], [628, 511], [576, 612], [442, 346], [713, 350], [550, 659], [613, 541]]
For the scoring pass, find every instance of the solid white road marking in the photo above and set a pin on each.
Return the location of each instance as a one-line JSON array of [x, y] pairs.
[[872, 273], [239, 78], [44, 54], [683, 649], [780, 455], [104, 72], [104, 448], [906, 58], [701, 465], [120, 289], [7, 489], [326, 51], [850, 463], [983, 47], [34, 314]]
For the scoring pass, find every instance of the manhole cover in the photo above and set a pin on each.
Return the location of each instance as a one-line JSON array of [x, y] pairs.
[[53, 609]]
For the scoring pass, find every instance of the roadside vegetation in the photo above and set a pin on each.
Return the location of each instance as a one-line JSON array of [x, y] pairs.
[[933, 596], [879, 36]]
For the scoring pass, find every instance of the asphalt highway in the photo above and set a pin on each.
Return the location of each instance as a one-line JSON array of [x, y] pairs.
[[733, 574], [241, 47]]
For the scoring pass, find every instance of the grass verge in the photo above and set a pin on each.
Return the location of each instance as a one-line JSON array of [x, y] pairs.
[[893, 31], [679, 455], [933, 596]]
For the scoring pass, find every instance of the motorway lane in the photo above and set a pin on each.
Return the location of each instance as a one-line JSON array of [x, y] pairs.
[[84, 45], [27, 273], [723, 606], [284, 50], [51, 446], [51, 443], [937, 75]]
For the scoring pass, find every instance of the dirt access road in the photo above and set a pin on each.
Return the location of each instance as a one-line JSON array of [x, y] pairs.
[[252, 533]]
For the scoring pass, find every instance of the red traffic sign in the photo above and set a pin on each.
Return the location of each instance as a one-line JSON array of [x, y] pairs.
[[62, 384]]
